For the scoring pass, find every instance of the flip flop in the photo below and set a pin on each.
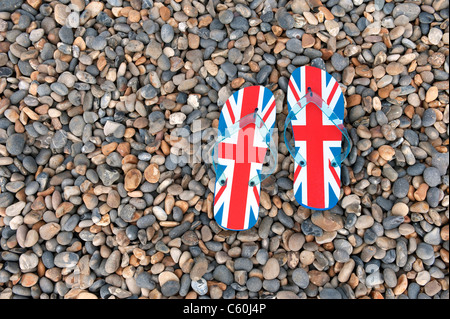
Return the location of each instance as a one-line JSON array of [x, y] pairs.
[[316, 114], [244, 135]]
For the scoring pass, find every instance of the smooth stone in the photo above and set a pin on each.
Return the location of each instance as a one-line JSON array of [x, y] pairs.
[[330, 293], [200, 286], [66, 260], [432, 176], [411, 10], [300, 278], [263, 74], [223, 274], [10, 5], [433, 237], [400, 187], [167, 33], [15, 144], [339, 62], [144, 280], [392, 222]]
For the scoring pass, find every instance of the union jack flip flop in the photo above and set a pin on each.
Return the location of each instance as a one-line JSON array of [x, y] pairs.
[[316, 113], [244, 137]]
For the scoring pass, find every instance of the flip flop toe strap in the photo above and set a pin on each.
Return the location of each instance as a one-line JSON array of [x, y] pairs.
[[266, 135], [315, 99]]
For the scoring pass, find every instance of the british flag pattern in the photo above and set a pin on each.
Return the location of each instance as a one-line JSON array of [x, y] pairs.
[[240, 157], [316, 137]]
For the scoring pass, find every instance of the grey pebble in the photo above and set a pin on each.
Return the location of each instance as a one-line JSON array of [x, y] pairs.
[[222, 274], [428, 118], [263, 74], [75, 120], [424, 251], [144, 280], [339, 62], [400, 187], [15, 144]]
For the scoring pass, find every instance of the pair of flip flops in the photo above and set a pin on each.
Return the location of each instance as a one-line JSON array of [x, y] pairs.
[[246, 124]]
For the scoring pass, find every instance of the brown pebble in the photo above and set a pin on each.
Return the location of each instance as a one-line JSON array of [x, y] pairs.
[[432, 288], [48, 231]]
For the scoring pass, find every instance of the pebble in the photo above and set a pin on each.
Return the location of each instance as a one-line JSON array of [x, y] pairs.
[[167, 33], [226, 16], [156, 121], [330, 293], [300, 278], [432, 176], [339, 62], [428, 118], [66, 260], [103, 103], [15, 144], [200, 286], [144, 280], [98, 43], [222, 274], [424, 251], [286, 21], [392, 222], [433, 237], [400, 188], [28, 261], [410, 10], [271, 269], [170, 288], [435, 36], [263, 74], [294, 45], [10, 5]]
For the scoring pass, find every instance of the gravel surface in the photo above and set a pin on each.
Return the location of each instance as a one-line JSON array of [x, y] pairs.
[[107, 109]]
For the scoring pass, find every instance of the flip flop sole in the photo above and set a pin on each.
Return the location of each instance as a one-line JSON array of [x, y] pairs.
[[316, 185], [240, 157]]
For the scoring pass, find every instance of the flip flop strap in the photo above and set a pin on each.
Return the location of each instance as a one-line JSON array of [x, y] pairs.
[[315, 99], [265, 133]]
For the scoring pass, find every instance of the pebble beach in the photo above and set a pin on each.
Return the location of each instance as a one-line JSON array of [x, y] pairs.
[[107, 112]]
